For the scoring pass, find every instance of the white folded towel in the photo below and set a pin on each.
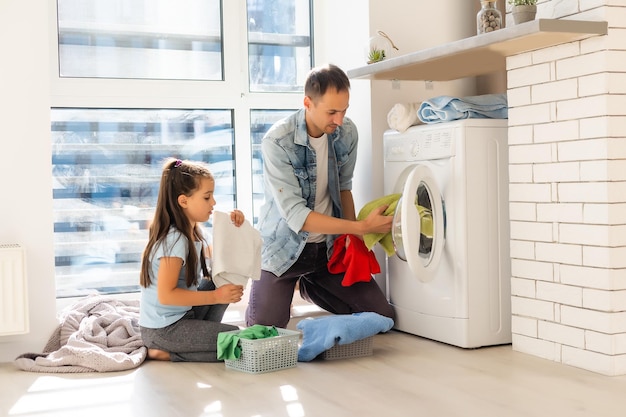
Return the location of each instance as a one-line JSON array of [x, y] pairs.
[[236, 251], [402, 116]]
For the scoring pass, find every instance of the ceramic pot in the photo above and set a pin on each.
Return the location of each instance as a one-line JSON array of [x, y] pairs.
[[523, 14]]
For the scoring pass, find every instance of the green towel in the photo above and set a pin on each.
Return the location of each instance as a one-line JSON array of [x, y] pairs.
[[384, 239], [228, 343]]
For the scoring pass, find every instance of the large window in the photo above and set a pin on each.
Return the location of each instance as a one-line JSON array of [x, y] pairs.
[[113, 123]]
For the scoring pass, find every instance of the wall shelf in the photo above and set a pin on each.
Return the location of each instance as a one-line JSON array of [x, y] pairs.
[[481, 54]]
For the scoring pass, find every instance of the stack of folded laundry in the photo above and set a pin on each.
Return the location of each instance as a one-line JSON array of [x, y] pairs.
[[446, 108]]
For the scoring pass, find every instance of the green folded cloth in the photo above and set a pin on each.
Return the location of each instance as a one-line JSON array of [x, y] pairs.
[[228, 343], [384, 239]]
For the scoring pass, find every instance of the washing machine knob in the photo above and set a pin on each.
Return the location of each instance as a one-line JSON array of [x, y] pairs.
[[415, 149]]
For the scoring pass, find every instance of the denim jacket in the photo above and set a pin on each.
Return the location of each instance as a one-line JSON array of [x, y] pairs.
[[290, 182]]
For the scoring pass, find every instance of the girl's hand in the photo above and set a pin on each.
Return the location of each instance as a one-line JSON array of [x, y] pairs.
[[229, 293], [237, 217]]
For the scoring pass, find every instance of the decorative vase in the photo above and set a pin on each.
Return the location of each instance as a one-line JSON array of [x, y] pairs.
[[523, 13], [488, 18]]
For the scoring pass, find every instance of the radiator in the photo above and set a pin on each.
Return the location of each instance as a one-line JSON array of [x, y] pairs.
[[13, 290]]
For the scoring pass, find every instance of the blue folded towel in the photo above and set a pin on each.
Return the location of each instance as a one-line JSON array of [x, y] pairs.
[[322, 333], [445, 108]]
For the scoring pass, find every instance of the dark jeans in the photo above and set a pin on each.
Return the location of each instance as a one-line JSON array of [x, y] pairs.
[[193, 338], [271, 296]]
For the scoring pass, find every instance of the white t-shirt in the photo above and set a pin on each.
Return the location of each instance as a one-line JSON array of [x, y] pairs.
[[323, 203]]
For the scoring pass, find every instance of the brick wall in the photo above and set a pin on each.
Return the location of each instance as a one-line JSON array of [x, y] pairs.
[[567, 137]]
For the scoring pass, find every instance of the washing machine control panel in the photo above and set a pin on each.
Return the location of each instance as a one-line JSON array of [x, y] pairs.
[[419, 144]]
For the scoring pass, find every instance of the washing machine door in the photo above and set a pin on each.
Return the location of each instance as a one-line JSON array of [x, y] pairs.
[[418, 229]]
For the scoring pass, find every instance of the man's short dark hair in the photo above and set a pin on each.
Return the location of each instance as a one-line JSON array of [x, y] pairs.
[[320, 79]]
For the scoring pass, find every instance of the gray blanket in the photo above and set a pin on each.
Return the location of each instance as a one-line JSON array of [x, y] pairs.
[[96, 334]]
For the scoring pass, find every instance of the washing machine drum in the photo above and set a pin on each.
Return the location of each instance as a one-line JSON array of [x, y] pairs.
[[418, 228]]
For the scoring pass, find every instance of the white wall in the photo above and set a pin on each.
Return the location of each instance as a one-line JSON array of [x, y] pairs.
[[25, 166]]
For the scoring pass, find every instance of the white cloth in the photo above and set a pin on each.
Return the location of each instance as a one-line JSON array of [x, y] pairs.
[[236, 251], [402, 116]]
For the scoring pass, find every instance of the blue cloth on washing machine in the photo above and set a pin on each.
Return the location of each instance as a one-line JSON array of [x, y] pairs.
[[445, 108], [322, 333]]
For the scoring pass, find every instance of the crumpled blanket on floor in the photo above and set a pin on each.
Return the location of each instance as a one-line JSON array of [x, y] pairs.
[[96, 334]]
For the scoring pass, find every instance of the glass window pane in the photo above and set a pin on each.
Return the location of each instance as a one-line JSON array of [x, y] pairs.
[[149, 39], [260, 122], [106, 166], [279, 44]]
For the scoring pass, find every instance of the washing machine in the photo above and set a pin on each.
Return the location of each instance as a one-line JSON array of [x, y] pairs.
[[449, 279]]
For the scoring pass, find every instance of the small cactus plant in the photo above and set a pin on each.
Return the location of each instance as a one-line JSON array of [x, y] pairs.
[[375, 55]]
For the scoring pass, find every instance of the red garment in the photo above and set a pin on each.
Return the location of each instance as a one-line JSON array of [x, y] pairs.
[[356, 260]]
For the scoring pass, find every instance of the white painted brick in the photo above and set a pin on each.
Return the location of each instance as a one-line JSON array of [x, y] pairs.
[[599, 278], [523, 211], [530, 115], [583, 234], [559, 293], [560, 212], [617, 147], [536, 153], [595, 362], [604, 213], [616, 126], [599, 321], [524, 326], [542, 271], [590, 192], [558, 252], [532, 231], [580, 65], [554, 91], [594, 127], [558, 172], [583, 107], [521, 249], [520, 134], [558, 333], [604, 257], [541, 193], [531, 75], [592, 85], [536, 347], [616, 104], [601, 127], [520, 173], [604, 83], [557, 9], [617, 81], [557, 131], [611, 170], [616, 61], [555, 53], [593, 192], [518, 61], [523, 287], [518, 97], [613, 301], [583, 150], [609, 344], [529, 307]]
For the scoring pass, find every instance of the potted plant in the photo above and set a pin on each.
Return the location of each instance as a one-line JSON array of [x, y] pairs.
[[523, 10]]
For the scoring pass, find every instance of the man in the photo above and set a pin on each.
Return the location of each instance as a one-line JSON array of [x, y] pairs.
[[309, 159]]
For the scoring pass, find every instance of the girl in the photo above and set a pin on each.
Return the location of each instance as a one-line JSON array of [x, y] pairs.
[[181, 310]]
